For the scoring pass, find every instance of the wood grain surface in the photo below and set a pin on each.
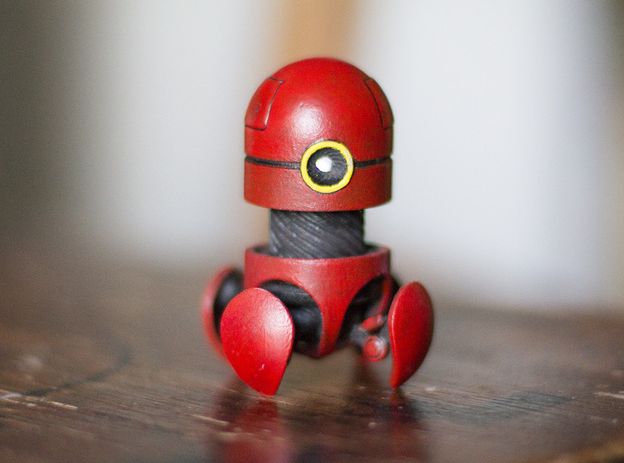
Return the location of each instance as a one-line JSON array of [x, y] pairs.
[[106, 362]]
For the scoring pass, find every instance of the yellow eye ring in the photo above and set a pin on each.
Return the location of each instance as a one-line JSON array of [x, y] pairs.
[[311, 150]]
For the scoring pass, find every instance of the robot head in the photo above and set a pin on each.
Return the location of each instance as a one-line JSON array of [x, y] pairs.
[[318, 137]]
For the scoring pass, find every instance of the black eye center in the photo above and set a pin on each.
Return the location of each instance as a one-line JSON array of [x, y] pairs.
[[327, 166]]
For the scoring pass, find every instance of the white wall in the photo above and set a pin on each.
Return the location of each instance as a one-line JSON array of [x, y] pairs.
[[502, 148], [503, 156]]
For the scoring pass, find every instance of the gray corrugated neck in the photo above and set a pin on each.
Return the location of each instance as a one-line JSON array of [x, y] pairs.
[[316, 235]]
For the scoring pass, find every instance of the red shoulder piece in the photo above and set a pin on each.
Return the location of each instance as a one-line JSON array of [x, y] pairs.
[[257, 333], [410, 326]]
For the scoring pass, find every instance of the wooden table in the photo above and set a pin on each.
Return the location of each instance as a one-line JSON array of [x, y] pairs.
[[101, 361]]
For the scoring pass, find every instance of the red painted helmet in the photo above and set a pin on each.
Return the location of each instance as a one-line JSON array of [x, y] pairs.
[[318, 137]]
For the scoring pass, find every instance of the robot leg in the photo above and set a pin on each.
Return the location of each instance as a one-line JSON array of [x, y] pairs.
[[405, 332]]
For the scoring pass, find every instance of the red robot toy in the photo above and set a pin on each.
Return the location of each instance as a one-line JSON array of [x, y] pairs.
[[318, 139]]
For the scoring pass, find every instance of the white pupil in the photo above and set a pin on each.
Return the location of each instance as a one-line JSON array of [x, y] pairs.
[[324, 164]]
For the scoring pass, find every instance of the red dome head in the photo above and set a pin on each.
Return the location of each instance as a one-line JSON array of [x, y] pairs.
[[318, 137]]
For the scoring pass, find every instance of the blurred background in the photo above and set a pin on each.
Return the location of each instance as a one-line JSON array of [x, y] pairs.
[[122, 131]]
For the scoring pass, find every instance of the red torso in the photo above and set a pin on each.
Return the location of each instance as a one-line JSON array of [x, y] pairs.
[[332, 283]]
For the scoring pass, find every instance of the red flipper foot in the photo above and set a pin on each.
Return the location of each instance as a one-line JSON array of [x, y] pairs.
[[257, 334], [410, 328]]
